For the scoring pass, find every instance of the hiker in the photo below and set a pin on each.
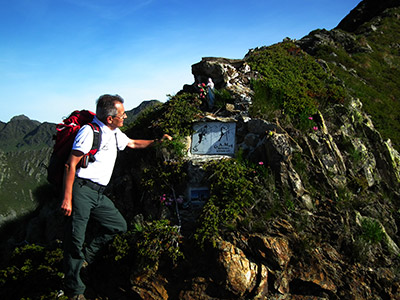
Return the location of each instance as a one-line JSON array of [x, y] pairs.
[[83, 196]]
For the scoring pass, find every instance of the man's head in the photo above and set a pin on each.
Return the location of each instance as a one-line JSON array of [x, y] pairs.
[[110, 110]]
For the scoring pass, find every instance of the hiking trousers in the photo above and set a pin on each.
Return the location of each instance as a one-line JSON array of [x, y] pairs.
[[87, 203]]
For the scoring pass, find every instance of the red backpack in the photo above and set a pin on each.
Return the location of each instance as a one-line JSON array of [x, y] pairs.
[[64, 138]]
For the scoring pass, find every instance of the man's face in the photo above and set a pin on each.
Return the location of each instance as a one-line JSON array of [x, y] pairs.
[[118, 120]]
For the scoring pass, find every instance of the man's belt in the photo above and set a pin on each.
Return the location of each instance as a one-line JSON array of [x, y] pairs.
[[93, 185]]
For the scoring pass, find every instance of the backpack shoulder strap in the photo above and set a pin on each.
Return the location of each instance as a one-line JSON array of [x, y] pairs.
[[96, 136]]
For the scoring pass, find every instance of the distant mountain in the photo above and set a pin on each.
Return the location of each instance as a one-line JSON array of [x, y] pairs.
[[41, 135], [134, 113], [25, 147], [22, 133]]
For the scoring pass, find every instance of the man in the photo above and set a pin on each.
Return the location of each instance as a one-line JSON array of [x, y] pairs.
[[83, 196]]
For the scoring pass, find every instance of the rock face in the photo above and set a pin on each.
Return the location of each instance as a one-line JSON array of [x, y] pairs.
[[332, 38], [231, 74]]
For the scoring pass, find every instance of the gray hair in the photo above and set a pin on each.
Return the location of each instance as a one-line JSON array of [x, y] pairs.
[[106, 106]]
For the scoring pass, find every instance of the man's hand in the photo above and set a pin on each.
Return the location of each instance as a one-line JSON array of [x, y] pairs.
[[66, 207], [166, 137]]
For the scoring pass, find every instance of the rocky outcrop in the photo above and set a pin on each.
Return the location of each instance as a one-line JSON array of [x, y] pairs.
[[233, 75], [335, 38]]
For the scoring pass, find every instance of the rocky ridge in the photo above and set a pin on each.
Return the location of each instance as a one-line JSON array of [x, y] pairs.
[[277, 264]]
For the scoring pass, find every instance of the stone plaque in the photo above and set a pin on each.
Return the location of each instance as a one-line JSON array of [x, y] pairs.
[[213, 138], [199, 194], [198, 197]]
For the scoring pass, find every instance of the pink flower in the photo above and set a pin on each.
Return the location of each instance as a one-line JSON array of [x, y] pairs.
[[310, 118], [315, 128], [260, 163], [163, 198]]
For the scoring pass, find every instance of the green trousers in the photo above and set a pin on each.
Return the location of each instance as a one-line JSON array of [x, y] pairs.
[[87, 203]]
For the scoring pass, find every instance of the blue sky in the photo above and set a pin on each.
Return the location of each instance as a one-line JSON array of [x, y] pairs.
[[60, 55]]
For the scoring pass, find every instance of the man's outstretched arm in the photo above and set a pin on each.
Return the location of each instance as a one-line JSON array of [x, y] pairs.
[[140, 144]]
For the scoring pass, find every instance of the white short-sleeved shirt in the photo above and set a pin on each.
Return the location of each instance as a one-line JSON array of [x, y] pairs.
[[101, 169]]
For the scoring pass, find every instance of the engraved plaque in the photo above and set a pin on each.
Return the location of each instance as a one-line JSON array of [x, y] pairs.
[[213, 138]]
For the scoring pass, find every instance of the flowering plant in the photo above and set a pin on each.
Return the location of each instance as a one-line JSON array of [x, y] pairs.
[[307, 122], [168, 201], [315, 128], [202, 90]]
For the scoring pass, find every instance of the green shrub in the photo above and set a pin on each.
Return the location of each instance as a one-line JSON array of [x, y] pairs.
[[172, 150], [145, 245], [164, 176], [33, 272], [371, 231], [292, 81], [267, 99], [178, 114], [173, 117], [231, 191], [222, 97]]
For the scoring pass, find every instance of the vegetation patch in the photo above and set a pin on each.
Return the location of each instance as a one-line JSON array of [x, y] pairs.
[[144, 246], [230, 192], [33, 272], [178, 114], [292, 82], [371, 231], [236, 188], [174, 118]]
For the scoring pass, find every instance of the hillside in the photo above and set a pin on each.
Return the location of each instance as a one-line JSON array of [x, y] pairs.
[[286, 186], [364, 54]]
